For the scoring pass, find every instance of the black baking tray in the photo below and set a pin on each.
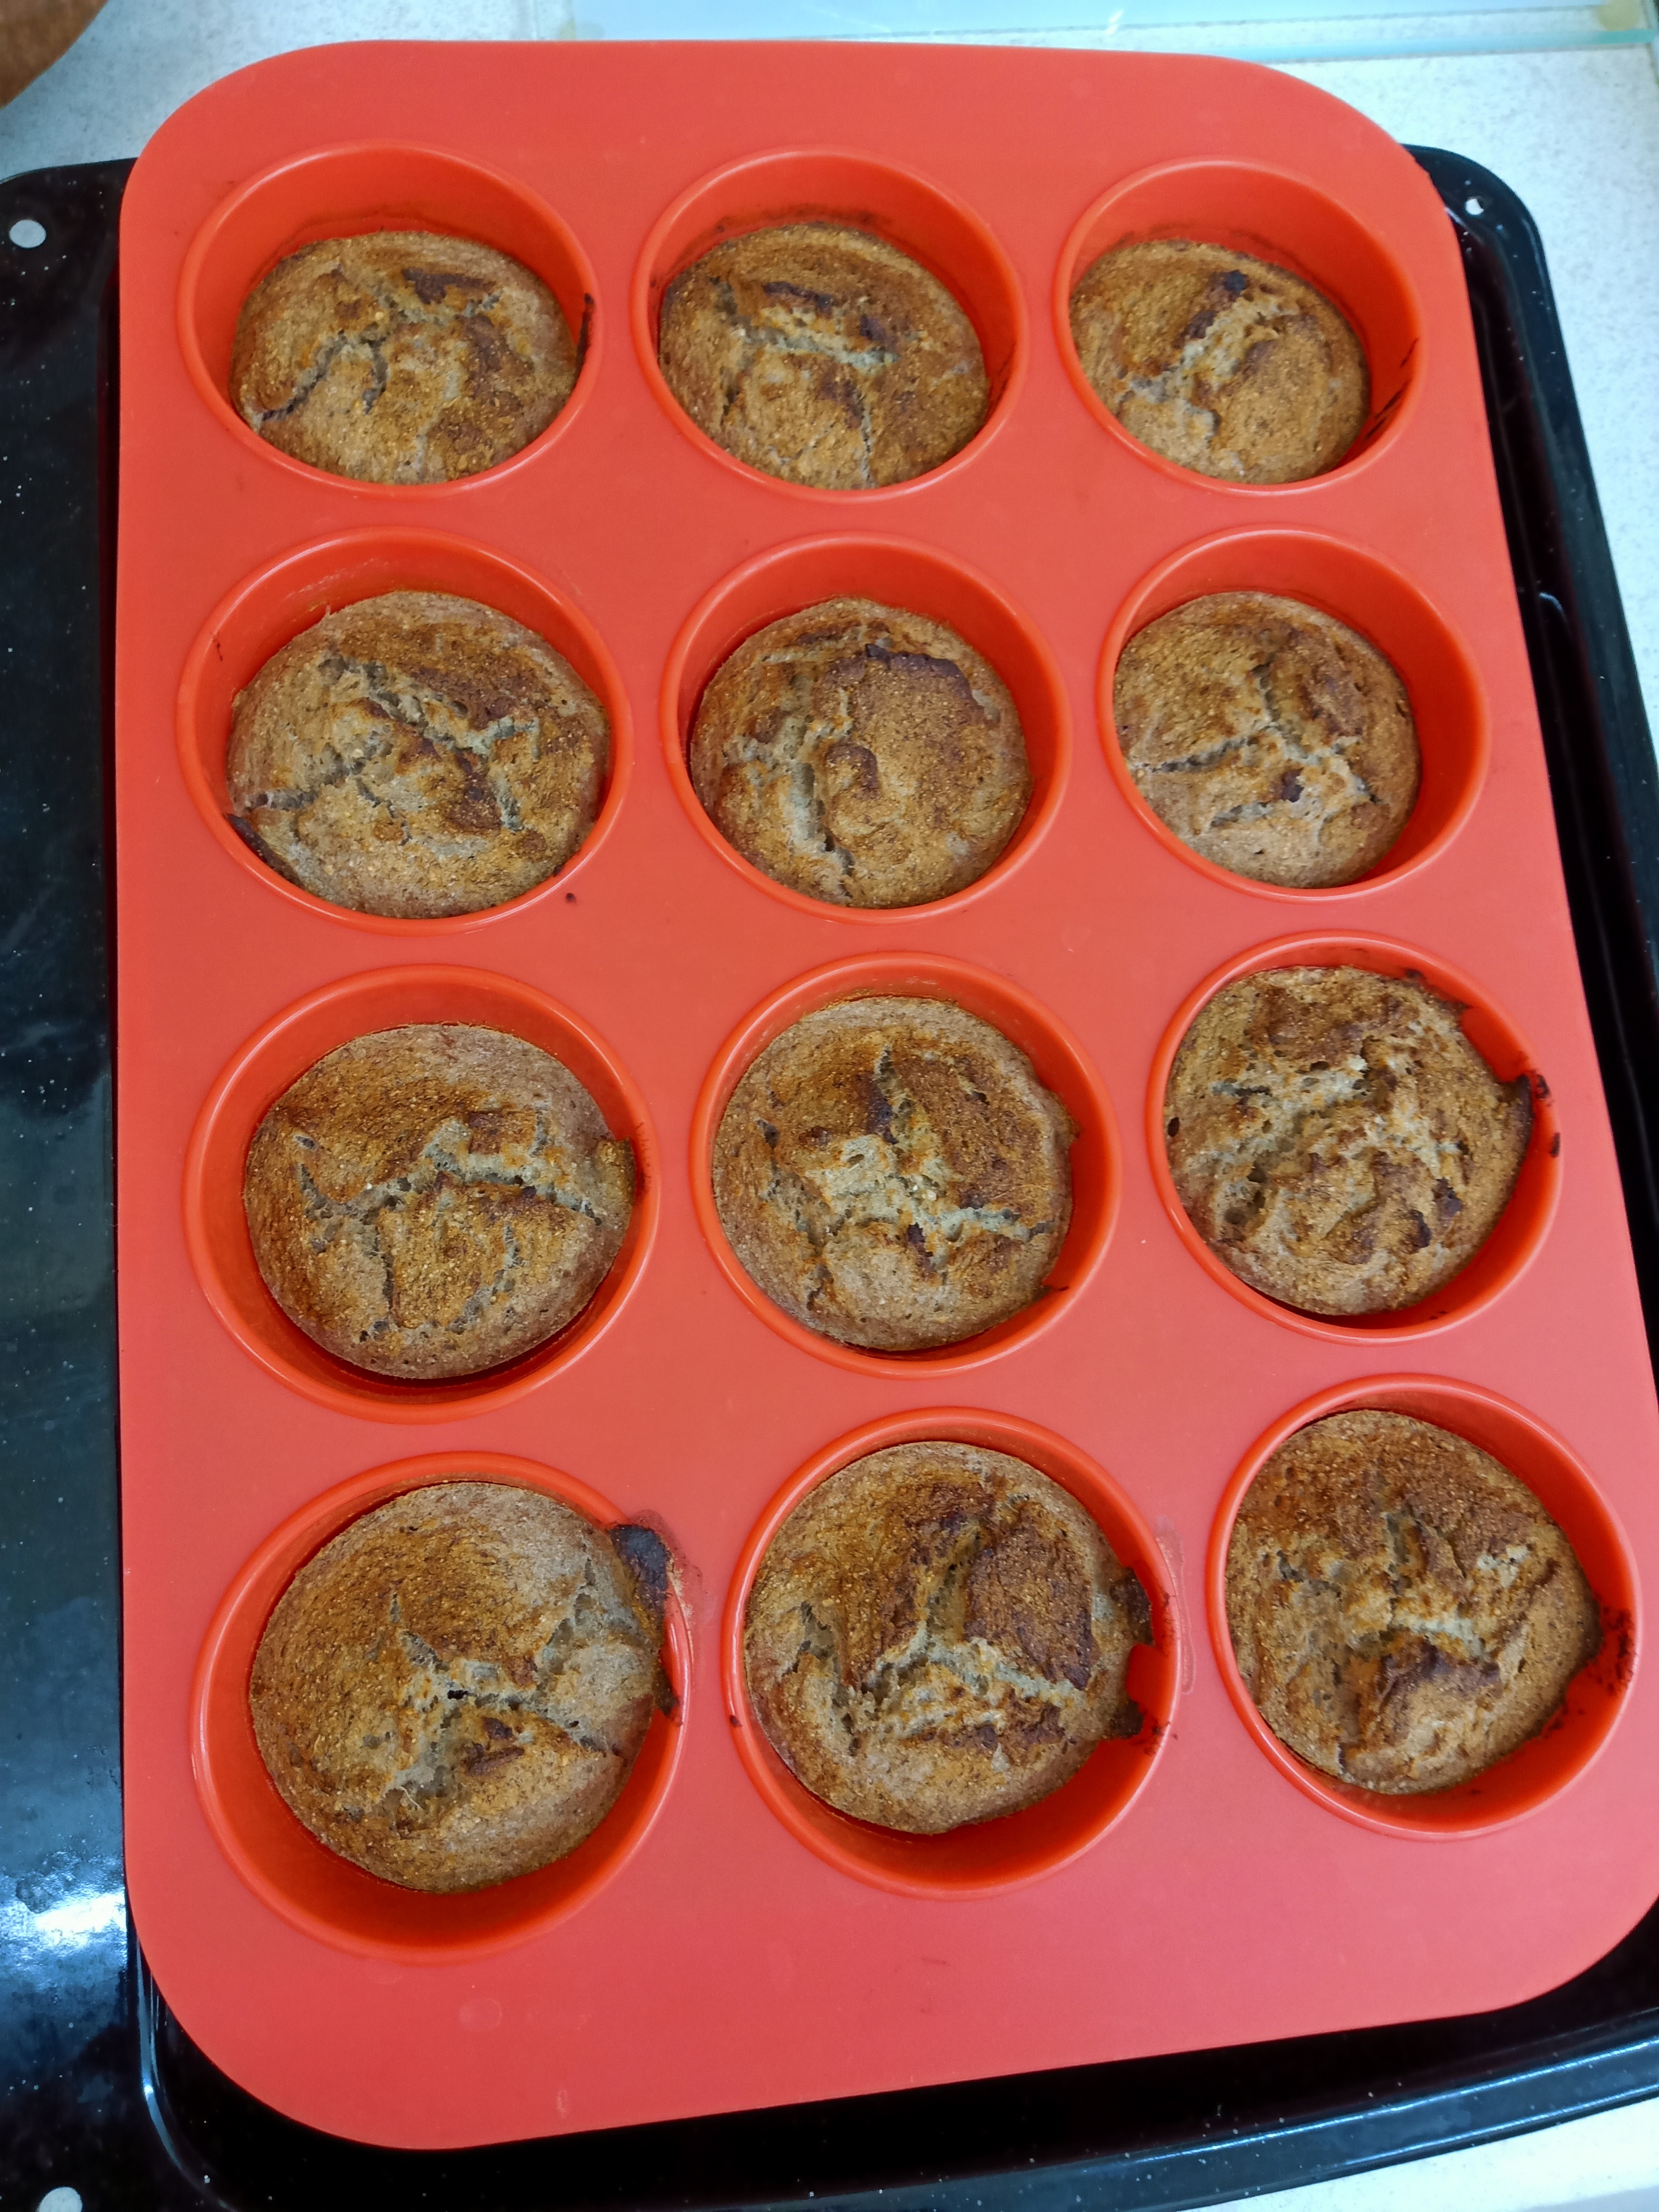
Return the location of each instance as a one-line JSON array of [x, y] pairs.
[[100, 2089]]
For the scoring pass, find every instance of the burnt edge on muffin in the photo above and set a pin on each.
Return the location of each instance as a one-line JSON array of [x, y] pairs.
[[1269, 738], [1389, 1586], [416, 755], [939, 1635], [347, 354], [1292, 393], [861, 754], [454, 1690], [432, 1171], [849, 325], [645, 1551], [913, 1188], [1317, 1059]]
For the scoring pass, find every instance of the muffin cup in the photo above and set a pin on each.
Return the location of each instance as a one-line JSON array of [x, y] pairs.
[[215, 1224], [789, 578], [311, 1887], [921, 219], [1019, 1847], [1520, 1229], [1371, 596], [279, 601], [1280, 218], [1060, 1065], [344, 192], [1545, 1766]]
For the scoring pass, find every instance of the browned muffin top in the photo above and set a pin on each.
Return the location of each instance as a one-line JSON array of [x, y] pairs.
[[891, 1173], [1338, 1140], [400, 356], [862, 755], [1403, 1610], [1268, 737], [430, 1201], [454, 1690], [1220, 362], [824, 356], [940, 1634], [417, 755]]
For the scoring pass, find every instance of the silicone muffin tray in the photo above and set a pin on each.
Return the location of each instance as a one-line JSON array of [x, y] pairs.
[[722, 1941]]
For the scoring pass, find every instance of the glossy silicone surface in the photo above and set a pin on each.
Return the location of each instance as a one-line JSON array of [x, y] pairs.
[[727, 1963]]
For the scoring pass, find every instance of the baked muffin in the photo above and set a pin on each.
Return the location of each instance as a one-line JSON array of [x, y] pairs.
[[400, 356], [891, 1173], [455, 1689], [417, 755], [1268, 737], [1220, 362], [862, 755], [427, 1202], [1336, 1139], [938, 1635], [824, 356], [1402, 1609]]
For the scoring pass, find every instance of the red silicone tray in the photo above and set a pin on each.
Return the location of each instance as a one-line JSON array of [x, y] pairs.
[[723, 1940]]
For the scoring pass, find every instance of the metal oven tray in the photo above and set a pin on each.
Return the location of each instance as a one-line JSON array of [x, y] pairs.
[[98, 2085]]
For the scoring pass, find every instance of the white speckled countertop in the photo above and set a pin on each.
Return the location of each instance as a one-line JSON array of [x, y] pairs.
[[1607, 2163], [1576, 134]]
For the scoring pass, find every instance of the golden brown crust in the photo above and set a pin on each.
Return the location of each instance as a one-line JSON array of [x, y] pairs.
[[417, 755], [1268, 737], [824, 356], [1403, 1610], [401, 356], [939, 1634], [863, 755], [891, 1173], [1226, 364], [1336, 1139], [430, 1201], [454, 1690]]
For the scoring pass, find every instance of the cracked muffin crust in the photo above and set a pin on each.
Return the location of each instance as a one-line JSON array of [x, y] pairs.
[[417, 755], [862, 755], [454, 1690], [401, 356], [824, 356], [1337, 1140], [938, 1635], [430, 1201], [1269, 736], [1402, 1609], [1222, 363], [891, 1173]]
